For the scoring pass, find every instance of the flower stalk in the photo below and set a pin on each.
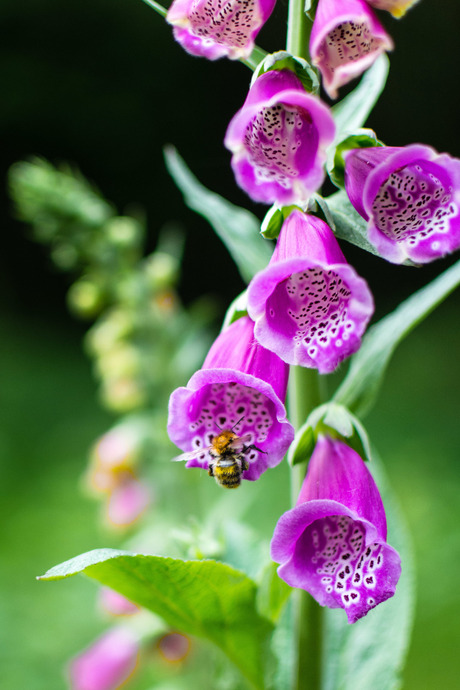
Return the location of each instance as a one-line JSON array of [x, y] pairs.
[[304, 394]]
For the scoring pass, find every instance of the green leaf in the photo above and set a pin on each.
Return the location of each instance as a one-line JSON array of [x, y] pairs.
[[238, 229], [360, 387], [203, 598], [272, 594], [352, 111], [371, 652], [345, 221]]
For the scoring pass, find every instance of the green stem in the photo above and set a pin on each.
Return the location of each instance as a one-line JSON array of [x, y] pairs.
[[298, 32], [304, 395]]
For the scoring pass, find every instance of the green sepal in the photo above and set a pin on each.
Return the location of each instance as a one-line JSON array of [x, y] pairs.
[[205, 598], [363, 138], [310, 8], [334, 420], [274, 219], [236, 310], [284, 60]]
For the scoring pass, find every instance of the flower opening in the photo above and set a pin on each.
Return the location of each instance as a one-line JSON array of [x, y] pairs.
[[241, 387], [309, 305], [346, 38], [279, 140], [410, 197], [215, 29], [333, 543]]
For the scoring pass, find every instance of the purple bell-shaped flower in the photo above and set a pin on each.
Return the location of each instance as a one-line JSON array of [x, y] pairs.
[[333, 543], [346, 38], [279, 140], [240, 388], [410, 197], [309, 305]]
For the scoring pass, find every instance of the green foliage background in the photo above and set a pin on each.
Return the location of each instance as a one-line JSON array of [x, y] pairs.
[[85, 81]]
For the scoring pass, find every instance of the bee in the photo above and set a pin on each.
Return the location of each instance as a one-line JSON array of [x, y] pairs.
[[228, 462]]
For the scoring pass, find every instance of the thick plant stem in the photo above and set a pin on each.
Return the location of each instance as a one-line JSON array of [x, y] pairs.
[[304, 396], [298, 32]]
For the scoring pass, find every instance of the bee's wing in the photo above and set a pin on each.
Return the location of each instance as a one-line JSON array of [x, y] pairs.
[[240, 441], [184, 457]]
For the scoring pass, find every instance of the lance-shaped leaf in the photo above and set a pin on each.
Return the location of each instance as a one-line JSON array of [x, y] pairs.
[[371, 653], [352, 111], [238, 229], [360, 387], [203, 598]]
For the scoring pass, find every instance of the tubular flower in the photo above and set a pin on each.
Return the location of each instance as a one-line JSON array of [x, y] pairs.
[[309, 305], [410, 197], [218, 28], [108, 663], [346, 38], [333, 543], [398, 8], [279, 139], [241, 386]]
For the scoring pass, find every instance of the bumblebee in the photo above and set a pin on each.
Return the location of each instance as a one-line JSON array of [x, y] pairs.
[[228, 462]]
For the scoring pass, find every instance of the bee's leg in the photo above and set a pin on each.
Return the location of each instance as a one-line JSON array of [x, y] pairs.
[[253, 447], [210, 471]]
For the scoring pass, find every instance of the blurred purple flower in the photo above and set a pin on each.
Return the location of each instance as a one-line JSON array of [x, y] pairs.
[[115, 603], [215, 28], [410, 197], [128, 501], [398, 8], [333, 543], [309, 305], [242, 387], [107, 663], [346, 38], [279, 139]]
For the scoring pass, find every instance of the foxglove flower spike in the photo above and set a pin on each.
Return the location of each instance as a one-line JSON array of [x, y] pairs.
[[309, 305], [279, 140], [333, 543], [241, 387], [410, 197], [346, 38]]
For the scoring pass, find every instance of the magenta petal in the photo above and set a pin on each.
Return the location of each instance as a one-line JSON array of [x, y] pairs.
[[333, 543], [239, 381], [410, 197], [107, 663], [309, 305], [345, 40], [279, 140], [214, 29]]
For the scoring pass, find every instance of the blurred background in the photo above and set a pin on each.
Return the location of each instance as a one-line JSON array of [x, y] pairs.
[[103, 86]]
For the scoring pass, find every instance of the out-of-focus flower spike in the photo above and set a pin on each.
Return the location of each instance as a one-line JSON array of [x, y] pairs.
[[215, 29], [309, 305], [410, 197], [333, 543], [241, 386], [127, 502], [346, 38], [116, 604], [279, 139]]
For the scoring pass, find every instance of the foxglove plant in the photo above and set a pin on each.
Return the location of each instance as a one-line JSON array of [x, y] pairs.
[[333, 542], [242, 387], [346, 38], [278, 140], [305, 308], [410, 197], [215, 28], [309, 305]]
